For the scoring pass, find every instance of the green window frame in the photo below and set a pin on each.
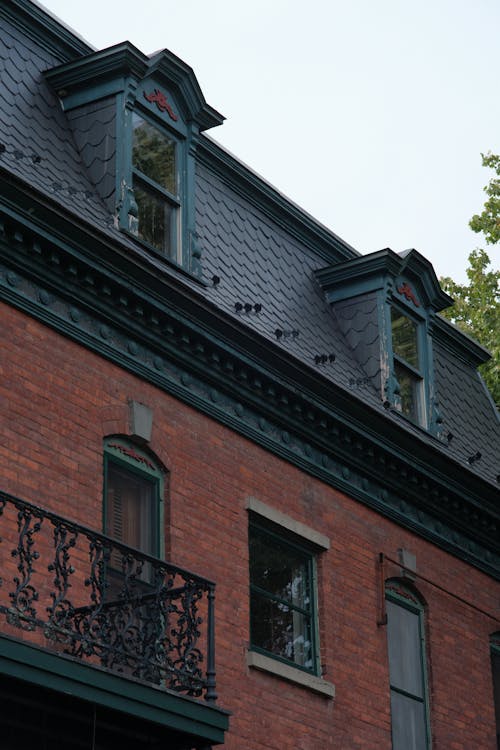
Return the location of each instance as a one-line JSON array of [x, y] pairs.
[[495, 674], [408, 363], [133, 497], [157, 160], [283, 622], [407, 669]]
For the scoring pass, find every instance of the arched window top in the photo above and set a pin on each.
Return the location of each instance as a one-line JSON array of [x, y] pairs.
[[404, 593], [142, 459]]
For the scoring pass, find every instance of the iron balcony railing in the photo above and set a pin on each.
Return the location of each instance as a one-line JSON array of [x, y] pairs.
[[80, 593]]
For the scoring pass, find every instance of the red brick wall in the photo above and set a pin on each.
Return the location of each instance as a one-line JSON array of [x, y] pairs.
[[58, 401]]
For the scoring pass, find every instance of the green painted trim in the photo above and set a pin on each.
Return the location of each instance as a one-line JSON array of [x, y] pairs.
[[287, 539], [418, 609], [154, 472], [94, 684], [164, 333]]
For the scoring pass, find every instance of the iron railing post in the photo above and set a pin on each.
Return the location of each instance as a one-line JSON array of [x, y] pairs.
[[211, 694]]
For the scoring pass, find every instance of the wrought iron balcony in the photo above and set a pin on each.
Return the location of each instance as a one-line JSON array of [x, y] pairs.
[[80, 593]]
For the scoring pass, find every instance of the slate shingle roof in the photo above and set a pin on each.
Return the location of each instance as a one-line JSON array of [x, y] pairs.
[[257, 262]]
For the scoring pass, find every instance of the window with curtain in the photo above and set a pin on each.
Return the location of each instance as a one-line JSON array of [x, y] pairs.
[[132, 498]]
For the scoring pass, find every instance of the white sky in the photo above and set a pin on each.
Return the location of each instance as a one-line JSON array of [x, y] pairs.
[[370, 114]]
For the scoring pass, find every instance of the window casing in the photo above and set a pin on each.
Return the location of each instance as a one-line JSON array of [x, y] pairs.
[[407, 364], [156, 160], [282, 597], [133, 488], [407, 669]]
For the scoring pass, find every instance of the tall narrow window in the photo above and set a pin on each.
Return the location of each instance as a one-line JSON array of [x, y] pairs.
[[495, 672], [132, 497], [407, 365], [407, 669], [156, 185], [282, 602]]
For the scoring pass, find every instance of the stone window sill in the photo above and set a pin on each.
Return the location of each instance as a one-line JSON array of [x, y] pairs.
[[287, 672]]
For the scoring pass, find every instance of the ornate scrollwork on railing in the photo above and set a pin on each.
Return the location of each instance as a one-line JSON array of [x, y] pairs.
[[102, 602]]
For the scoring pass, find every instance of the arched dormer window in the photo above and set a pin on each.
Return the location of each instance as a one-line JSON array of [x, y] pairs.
[[407, 668], [133, 496]]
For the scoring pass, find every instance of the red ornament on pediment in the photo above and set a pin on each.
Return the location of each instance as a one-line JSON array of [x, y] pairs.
[[406, 290], [158, 97]]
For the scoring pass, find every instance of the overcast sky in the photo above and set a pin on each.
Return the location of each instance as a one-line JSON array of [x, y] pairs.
[[371, 115]]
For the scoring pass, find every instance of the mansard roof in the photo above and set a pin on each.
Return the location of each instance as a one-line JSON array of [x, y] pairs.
[[261, 301]]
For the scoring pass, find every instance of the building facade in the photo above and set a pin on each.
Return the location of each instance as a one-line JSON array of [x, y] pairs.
[[249, 477]]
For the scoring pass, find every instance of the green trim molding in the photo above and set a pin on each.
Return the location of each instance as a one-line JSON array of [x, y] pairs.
[[160, 330], [94, 684]]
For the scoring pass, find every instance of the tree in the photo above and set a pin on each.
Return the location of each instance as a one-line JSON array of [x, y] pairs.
[[476, 310], [488, 222]]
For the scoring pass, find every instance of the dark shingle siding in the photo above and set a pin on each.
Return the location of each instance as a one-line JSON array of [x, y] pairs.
[[94, 132]]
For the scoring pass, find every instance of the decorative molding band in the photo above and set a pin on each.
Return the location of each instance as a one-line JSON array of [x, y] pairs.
[[146, 337]]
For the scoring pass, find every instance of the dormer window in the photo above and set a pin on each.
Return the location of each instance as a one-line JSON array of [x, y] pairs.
[[407, 364], [144, 115], [156, 185], [385, 305]]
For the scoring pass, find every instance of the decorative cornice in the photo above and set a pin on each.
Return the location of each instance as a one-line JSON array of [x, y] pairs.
[[157, 336], [122, 64], [273, 204], [44, 29], [379, 270]]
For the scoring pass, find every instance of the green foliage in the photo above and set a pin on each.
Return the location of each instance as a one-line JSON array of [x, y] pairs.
[[488, 221], [477, 311]]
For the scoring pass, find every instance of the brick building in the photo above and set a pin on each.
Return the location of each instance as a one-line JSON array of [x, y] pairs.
[[249, 477]]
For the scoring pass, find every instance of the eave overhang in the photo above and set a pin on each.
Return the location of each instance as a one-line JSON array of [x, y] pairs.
[[89, 287], [196, 721]]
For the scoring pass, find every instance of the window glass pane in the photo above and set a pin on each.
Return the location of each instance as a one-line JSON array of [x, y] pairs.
[[281, 570], [405, 650], [408, 723], [153, 153], [409, 384], [155, 218], [281, 630], [131, 509], [404, 337]]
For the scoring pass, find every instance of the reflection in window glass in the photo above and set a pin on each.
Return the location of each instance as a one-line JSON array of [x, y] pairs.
[[281, 607], [404, 337], [153, 153], [409, 384], [155, 219]]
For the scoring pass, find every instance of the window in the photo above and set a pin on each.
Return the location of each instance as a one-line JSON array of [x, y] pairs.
[[155, 156], [132, 497], [407, 364], [407, 669], [495, 671], [282, 596]]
